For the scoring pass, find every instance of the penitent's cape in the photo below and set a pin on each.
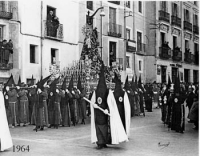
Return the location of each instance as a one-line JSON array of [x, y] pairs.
[[5, 137], [118, 133]]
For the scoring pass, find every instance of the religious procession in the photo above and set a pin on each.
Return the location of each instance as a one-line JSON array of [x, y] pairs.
[[121, 102]]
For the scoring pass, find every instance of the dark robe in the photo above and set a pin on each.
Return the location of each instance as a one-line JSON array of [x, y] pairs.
[[82, 105], [65, 111], [101, 119], [178, 114]]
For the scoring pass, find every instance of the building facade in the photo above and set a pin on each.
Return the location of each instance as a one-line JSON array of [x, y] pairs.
[[40, 41], [174, 41]]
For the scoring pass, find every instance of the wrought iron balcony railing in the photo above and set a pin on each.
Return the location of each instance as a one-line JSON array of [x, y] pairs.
[[196, 29], [6, 60], [53, 31], [164, 52], [115, 2], [164, 16], [114, 30], [176, 55], [141, 48], [5, 15], [187, 26], [188, 57], [176, 21]]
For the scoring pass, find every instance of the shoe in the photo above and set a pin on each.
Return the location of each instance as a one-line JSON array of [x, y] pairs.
[[42, 128], [105, 146], [99, 147]]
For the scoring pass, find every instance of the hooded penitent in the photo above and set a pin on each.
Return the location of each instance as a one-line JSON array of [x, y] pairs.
[[71, 84], [79, 86], [64, 84], [19, 81], [42, 82], [126, 85]]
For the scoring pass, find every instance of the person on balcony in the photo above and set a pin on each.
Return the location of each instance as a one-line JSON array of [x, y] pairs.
[[49, 23], [55, 26]]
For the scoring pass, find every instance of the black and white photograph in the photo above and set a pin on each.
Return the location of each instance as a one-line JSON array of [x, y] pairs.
[[99, 78]]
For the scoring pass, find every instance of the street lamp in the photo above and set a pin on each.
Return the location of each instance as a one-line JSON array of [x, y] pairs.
[[90, 21], [102, 14]]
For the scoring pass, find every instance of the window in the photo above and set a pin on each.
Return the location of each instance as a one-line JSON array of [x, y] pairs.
[[127, 61], [195, 76], [140, 6], [140, 65], [2, 6], [163, 74], [112, 15], [186, 15], [1, 33], [174, 42], [196, 47], [139, 41], [128, 33], [195, 22], [90, 5], [187, 75], [32, 54], [54, 56], [112, 53], [186, 44], [174, 9], [195, 3], [128, 4], [163, 6]]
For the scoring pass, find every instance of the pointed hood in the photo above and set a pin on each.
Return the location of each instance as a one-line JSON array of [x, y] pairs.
[[71, 84], [126, 85], [79, 86], [64, 84], [32, 81], [118, 86], [42, 82], [140, 82], [102, 83], [19, 81], [136, 83], [53, 85], [9, 83], [133, 86], [177, 85], [169, 82]]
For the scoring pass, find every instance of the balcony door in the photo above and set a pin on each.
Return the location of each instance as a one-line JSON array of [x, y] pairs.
[[174, 74], [163, 74], [186, 15], [187, 75], [112, 53], [163, 5], [139, 41], [112, 19], [195, 19], [174, 9], [174, 42], [195, 76], [162, 36]]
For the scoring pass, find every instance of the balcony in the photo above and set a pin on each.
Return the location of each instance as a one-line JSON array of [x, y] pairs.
[[196, 58], [176, 21], [53, 31], [188, 57], [5, 15], [131, 46], [5, 55], [187, 26], [164, 16], [196, 29], [114, 30], [141, 48], [115, 2], [177, 54], [164, 53]]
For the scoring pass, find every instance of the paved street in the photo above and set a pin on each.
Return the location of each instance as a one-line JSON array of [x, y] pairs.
[[146, 134]]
